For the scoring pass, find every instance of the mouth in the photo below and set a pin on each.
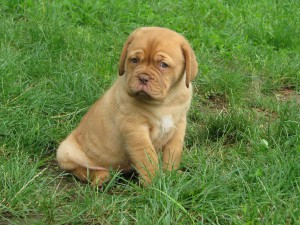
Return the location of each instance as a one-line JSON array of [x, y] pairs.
[[142, 92]]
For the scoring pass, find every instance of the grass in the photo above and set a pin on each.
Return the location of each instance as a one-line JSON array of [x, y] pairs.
[[242, 150]]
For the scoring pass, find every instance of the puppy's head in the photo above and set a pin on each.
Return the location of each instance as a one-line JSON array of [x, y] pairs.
[[154, 60]]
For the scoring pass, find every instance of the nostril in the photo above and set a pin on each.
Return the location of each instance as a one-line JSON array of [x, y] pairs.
[[144, 79]]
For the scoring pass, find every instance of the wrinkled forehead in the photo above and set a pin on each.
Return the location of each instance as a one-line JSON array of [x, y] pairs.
[[152, 41]]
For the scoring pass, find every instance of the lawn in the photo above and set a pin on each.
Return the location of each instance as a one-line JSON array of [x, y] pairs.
[[241, 160]]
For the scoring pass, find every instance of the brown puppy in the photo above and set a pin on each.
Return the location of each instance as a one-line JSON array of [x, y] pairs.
[[143, 113]]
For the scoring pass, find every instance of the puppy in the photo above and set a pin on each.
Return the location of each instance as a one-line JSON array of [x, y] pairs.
[[141, 115]]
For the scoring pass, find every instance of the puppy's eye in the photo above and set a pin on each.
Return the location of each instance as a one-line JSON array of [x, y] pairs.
[[134, 60], [163, 65]]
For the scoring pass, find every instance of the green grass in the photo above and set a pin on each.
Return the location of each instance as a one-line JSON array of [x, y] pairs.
[[242, 150]]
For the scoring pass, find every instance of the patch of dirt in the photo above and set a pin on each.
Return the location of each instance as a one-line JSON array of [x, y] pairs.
[[265, 112], [265, 117], [287, 93], [217, 101]]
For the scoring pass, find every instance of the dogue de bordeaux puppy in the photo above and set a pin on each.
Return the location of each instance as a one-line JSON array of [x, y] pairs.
[[141, 115]]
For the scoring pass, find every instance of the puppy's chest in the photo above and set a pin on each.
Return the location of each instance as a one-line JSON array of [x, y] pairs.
[[163, 129]]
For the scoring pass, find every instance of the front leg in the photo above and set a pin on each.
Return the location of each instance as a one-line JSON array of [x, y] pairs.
[[173, 149], [141, 151]]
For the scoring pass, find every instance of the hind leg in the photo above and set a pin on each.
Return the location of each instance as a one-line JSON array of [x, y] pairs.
[[70, 157]]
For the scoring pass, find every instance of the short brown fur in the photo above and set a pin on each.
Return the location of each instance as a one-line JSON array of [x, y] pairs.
[[143, 113]]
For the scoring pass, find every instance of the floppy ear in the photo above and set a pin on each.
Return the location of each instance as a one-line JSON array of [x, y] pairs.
[[191, 65], [124, 54]]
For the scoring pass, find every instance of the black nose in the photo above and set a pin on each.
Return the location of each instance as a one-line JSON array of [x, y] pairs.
[[144, 79]]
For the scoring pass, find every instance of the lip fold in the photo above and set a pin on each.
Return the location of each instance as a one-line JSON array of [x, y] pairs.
[[142, 90]]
